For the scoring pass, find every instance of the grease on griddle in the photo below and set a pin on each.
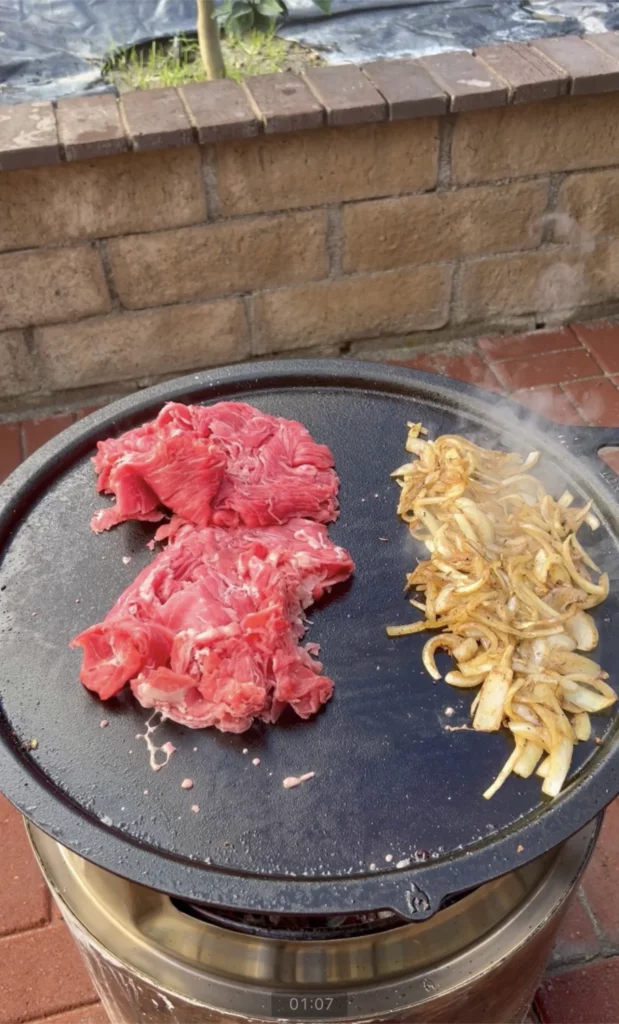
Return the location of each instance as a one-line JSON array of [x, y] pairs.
[[167, 749], [293, 780]]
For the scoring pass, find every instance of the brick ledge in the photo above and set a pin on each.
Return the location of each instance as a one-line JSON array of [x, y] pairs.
[[84, 128]]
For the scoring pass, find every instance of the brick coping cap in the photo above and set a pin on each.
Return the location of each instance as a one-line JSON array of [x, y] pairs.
[[88, 127]]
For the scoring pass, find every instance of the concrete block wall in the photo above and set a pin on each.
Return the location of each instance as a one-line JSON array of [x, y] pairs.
[[403, 203]]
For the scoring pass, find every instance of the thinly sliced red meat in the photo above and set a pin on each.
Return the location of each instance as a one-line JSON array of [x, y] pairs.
[[117, 651], [227, 464], [134, 500], [208, 633]]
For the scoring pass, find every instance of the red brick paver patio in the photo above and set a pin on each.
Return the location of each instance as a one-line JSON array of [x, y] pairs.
[[570, 376]]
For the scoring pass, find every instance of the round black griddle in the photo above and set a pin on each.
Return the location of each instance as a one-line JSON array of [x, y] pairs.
[[391, 779]]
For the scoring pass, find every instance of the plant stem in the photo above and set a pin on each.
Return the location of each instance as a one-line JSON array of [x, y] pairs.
[[208, 37]]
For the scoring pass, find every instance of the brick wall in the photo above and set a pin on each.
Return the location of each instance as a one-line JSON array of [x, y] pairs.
[[403, 203]]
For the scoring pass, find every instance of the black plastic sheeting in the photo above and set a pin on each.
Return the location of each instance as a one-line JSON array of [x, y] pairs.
[[359, 31], [54, 48]]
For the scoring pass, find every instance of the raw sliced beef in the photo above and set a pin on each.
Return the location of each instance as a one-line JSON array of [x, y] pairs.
[[209, 632], [223, 465]]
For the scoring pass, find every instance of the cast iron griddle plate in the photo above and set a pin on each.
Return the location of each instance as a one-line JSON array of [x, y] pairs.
[[390, 778]]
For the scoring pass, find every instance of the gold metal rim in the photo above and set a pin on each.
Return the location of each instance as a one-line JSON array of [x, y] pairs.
[[238, 973]]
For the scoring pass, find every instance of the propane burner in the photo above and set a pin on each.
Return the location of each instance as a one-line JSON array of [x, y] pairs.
[[293, 927]]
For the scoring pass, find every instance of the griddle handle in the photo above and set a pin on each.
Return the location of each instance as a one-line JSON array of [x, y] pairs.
[[590, 440], [418, 893]]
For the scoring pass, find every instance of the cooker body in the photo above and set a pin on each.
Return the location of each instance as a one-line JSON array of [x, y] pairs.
[[478, 960]]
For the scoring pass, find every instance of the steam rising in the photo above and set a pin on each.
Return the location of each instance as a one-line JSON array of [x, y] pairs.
[[565, 286]]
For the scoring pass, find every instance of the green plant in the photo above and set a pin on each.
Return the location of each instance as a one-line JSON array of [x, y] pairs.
[[159, 63], [237, 18], [177, 61]]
